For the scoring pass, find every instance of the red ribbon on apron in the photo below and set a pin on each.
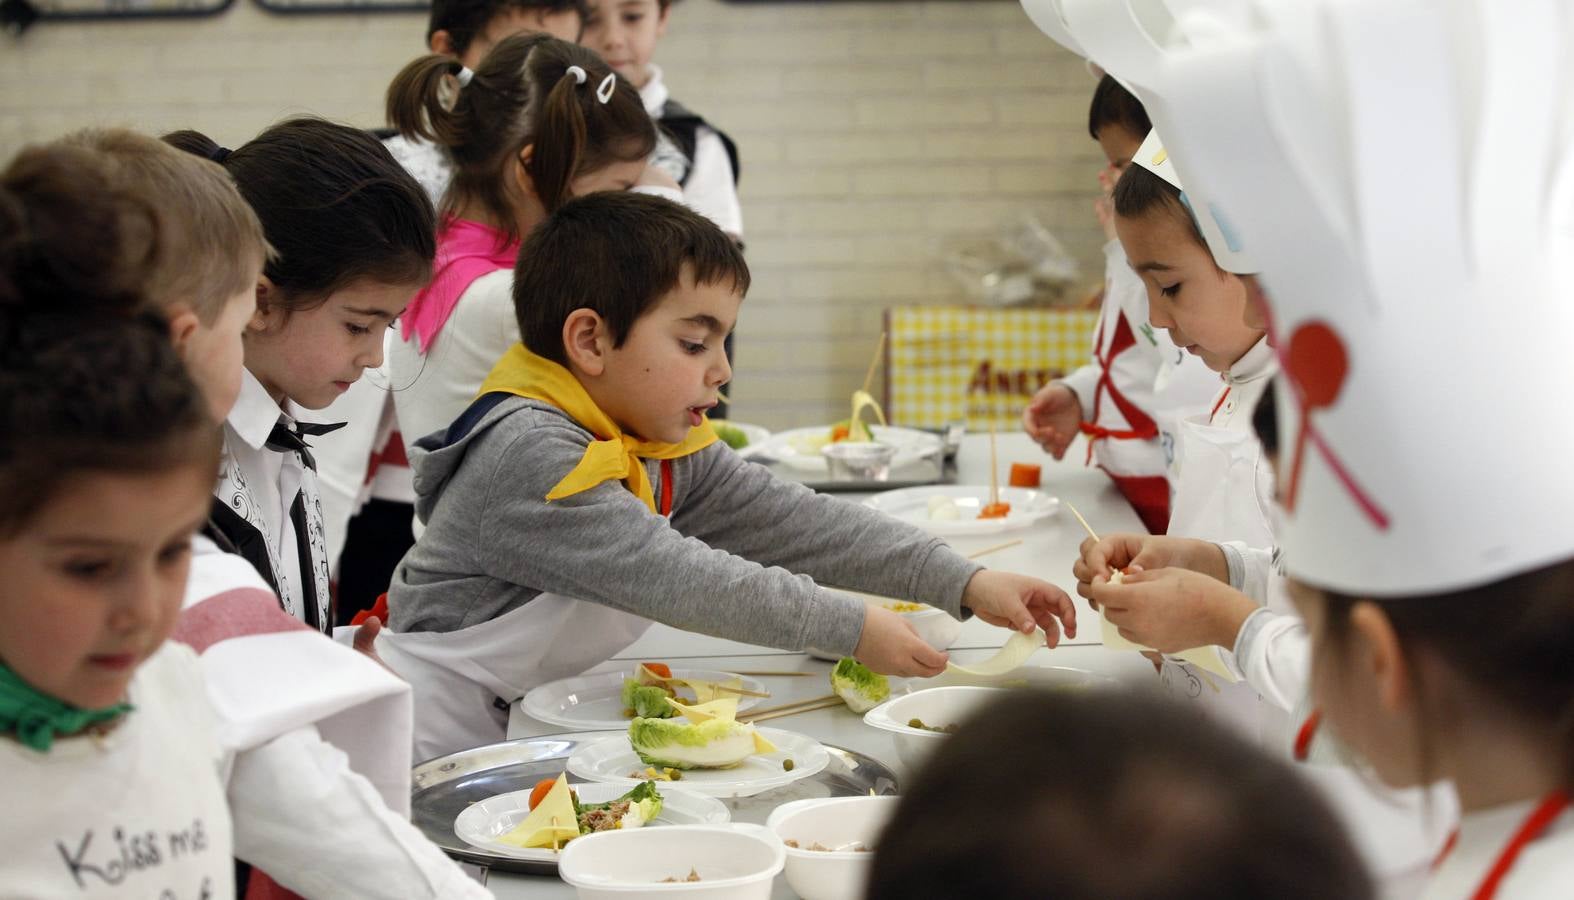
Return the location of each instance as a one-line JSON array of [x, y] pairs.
[[1149, 495]]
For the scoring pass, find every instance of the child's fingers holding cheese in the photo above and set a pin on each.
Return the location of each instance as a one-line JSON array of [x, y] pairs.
[[1172, 610], [890, 646], [1021, 603]]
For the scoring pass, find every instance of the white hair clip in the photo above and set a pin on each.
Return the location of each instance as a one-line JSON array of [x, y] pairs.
[[578, 73], [464, 75], [607, 86]]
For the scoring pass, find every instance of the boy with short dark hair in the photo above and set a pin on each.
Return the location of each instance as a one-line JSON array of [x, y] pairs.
[[584, 491]]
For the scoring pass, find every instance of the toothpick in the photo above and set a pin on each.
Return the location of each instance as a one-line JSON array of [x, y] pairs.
[[994, 474], [879, 350], [995, 549], [773, 711], [827, 703], [1091, 533]]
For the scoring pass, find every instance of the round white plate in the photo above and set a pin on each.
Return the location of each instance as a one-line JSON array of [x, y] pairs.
[[612, 760], [800, 447], [595, 702], [912, 505], [756, 434], [481, 824]]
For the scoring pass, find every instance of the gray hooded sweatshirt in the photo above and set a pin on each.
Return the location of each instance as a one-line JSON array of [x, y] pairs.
[[739, 558]]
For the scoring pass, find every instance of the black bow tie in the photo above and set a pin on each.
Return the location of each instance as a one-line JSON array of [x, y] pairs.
[[284, 439]]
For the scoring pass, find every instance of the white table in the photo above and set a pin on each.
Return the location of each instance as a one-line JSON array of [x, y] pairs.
[[1047, 552]]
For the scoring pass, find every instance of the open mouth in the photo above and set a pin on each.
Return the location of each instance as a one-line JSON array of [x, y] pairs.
[[697, 413]]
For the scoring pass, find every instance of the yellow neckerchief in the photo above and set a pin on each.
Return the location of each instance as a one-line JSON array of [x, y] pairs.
[[613, 455]]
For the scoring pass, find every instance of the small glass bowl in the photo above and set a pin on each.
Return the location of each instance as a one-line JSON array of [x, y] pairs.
[[859, 460]]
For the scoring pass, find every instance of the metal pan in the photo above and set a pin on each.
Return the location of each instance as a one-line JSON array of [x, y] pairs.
[[443, 787]]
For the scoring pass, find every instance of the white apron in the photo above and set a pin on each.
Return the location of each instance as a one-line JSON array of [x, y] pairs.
[[459, 677]]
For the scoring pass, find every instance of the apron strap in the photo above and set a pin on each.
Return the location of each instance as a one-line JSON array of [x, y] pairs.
[[1141, 425]]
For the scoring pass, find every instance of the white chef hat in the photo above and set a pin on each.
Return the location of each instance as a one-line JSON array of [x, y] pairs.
[[1404, 173], [1133, 40]]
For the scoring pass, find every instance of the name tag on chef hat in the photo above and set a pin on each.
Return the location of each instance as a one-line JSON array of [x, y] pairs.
[[1406, 237]]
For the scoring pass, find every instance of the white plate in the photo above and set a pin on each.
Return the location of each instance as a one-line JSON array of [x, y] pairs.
[[800, 448], [595, 702], [756, 434], [912, 505], [612, 760], [481, 824]]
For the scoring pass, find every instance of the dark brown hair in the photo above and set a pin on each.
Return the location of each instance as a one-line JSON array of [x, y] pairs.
[[333, 204], [1069, 795], [521, 94], [1140, 192], [1523, 660], [465, 19], [616, 253], [211, 245], [1114, 105], [89, 380]]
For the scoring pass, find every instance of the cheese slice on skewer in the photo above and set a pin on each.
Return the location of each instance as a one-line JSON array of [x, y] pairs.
[[1207, 659], [1016, 651], [550, 823]]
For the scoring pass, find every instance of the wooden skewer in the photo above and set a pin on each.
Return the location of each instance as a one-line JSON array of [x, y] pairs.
[[777, 674], [713, 685], [1089, 528], [825, 704], [751, 715], [879, 351], [994, 475], [995, 549]]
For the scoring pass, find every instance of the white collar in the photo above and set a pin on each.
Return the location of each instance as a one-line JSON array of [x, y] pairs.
[[1258, 362], [254, 414], [654, 94]]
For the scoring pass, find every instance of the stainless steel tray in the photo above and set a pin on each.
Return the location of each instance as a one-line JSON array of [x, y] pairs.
[[443, 787]]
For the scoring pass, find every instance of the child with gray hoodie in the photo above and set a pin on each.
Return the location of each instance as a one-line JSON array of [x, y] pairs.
[[584, 494]]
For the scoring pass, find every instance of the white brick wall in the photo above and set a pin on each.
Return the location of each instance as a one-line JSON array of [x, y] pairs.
[[869, 131]]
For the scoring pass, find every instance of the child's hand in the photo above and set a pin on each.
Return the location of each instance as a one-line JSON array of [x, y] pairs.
[[1021, 603], [365, 642], [1172, 610], [1101, 558], [1052, 417], [1104, 206], [890, 646]]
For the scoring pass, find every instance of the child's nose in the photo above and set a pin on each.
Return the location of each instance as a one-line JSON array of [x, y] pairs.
[[137, 603], [721, 373], [1159, 314]]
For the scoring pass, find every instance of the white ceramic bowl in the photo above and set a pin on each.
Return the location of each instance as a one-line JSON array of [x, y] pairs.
[[734, 862], [831, 822], [939, 707]]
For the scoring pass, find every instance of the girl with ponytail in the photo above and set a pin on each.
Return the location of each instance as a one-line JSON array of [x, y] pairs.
[[538, 122]]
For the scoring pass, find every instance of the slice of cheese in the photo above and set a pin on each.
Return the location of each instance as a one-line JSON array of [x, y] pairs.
[[1208, 659], [862, 399], [706, 691], [761, 745], [550, 824], [1016, 651], [721, 708]]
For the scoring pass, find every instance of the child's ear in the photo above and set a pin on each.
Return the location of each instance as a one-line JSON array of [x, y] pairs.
[[183, 323], [267, 313], [441, 43], [522, 176], [1375, 647], [584, 342]]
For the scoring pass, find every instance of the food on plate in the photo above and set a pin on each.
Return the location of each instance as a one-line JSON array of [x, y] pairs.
[[709, 737], [902, 606], [557, 817], [655, 774], [673, 879], [1016, 651], [1025, 475], [938, 729], [647, 700], [995, 511], [853, 428], [859, 687], [943, 509], [817, 847], [787, 765], [731, 435]]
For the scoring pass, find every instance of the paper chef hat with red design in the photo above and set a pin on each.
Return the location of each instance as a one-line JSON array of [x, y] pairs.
[[1403, 172]]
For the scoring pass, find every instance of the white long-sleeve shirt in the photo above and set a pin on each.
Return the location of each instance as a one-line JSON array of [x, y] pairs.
[[709, 190]]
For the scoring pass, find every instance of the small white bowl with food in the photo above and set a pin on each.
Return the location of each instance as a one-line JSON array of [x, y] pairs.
[[727, 862], [920, 721], [933, 624], [830, 843]]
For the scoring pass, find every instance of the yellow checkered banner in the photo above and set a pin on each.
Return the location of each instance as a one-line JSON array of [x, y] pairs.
[[976, 364]]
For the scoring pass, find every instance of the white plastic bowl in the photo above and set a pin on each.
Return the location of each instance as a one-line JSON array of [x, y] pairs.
[[735, 862], [831, 822], [939, 707], [933, 624]]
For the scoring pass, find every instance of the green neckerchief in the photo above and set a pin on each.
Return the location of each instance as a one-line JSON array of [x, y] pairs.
[[37, 719]]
